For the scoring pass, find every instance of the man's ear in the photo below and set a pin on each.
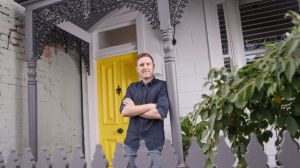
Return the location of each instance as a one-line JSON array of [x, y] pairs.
[[136, 68]]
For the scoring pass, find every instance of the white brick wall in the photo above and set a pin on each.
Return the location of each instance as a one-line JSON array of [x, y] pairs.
[[13, 107], [192, 58], [191, 53], [59, 94]]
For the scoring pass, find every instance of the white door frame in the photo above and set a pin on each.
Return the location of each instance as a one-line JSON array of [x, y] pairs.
[[116, 19]]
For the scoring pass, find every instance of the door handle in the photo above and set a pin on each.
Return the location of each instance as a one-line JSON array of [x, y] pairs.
[[120, 130], [118, 90]]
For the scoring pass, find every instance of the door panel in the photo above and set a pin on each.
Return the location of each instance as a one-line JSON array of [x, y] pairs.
[[113, 73]]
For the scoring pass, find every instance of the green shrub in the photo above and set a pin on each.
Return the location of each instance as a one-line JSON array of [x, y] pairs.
[[259, 98]]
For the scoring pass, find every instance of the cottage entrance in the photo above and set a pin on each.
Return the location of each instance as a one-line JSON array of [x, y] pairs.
[[113, 77]]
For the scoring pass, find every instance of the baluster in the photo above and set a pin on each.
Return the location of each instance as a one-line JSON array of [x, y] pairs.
[[78, 160], [28, 159], [143, 159], [255, 155], [43, 160], [60, 159], [169, 159], [195, 158], [224, 157], [13, 160], [288, 155], [99, 160], [120, 160]]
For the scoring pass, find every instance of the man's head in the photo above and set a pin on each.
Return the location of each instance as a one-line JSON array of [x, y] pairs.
[[145, 66]]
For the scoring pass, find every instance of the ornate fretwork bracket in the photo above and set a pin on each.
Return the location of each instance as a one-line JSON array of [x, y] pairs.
[[77, 11], [176, 10]]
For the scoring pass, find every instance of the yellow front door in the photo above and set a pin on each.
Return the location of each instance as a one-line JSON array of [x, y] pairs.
[[113, 77]]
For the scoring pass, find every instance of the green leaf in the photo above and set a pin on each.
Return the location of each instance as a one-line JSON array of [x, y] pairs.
[[240, 103], [259, 83], [280, 121], [232, 97], [280, 67], [259, 115], [297, 109], [219, 116], [205, 96], [270, 117], [237, 81], [249, 91], [204, 133], [211, 122], [209, 165], [287, 92], [225, 89], [290, 70], [296, 83], [291, 46], [204, 114], [210, 73], [228, 108], [269, 80], [292, 125], [271, 89], [205, 148]]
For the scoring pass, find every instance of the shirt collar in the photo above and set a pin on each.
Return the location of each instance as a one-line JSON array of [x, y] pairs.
[[150, 83]]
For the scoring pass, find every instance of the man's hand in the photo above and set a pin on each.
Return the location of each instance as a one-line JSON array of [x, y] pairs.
[[128, 102]]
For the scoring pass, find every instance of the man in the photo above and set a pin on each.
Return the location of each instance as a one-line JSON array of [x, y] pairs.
[[146, 103]]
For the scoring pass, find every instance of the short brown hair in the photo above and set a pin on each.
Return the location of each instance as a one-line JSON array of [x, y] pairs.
[[142, 55]]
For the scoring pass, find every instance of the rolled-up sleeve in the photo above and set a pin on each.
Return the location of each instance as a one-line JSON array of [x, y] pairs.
[[127, 95], [163, 101]]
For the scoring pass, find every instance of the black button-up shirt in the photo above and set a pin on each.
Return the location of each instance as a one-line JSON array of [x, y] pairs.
[[150, 130]]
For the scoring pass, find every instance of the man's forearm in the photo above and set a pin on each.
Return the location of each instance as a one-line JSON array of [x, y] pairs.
[[151, 114], [136, 110]]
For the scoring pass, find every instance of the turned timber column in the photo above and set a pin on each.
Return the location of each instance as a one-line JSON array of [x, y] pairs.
[[32, 105], [32, 83], [171, 78], [167, 32]]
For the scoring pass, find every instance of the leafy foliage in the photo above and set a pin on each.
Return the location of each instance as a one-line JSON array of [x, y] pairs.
[[260, 98]]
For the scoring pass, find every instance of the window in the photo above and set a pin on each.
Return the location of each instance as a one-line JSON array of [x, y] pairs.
[[117, 36], [262, 21]]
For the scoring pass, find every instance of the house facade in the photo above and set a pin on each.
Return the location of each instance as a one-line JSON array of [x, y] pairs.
[[71, 101]]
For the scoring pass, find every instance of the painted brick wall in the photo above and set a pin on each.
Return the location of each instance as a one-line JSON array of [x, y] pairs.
[[13, 90], [191, 54], [59, 94], [192, 58]]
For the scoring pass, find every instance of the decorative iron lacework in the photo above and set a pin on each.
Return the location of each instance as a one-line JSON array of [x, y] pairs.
[[46, 18], [70, 42], [176, 10]]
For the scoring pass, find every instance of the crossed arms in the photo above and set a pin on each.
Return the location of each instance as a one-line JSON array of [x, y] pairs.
[[148, 111]]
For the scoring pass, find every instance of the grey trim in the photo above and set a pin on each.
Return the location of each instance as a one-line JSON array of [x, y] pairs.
[[234, 33], [32, 105], [35, 4], [167, 33], [32, 84], [26, 2]]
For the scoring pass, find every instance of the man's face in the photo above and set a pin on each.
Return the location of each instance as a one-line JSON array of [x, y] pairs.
[[145, 68]]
